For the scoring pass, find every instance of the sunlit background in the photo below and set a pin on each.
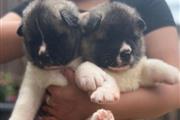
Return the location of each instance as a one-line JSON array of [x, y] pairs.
[[175, 8]]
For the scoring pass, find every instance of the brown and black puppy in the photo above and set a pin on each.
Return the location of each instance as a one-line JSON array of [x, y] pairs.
[[120, 27], [51, 34], [51, 30], [113, 51]]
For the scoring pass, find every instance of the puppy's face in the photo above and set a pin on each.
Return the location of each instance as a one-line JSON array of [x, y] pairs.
[[117, 42], [50, 34]]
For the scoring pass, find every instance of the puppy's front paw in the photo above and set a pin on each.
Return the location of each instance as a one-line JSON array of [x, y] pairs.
[[171, 75], [173, 78], [89, 76], [18, 118], [174, 75], [156, 71], [105, 95], [102, 115]]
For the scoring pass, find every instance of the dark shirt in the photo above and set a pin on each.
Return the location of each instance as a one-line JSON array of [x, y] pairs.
[[19, 9], [155, 13]]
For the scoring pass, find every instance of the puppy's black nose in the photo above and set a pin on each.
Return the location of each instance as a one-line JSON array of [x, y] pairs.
[[125, 55]]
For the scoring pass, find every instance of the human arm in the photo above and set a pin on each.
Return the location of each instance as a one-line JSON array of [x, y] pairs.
[[164, 44], [161, 43], [10, 42], [143, 103], [71, 103]]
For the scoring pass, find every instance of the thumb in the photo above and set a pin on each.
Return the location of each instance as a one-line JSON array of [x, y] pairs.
[[69, 74]]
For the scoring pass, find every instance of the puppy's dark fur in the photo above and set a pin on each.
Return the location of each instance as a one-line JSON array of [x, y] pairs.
[[51, 35], [113, 40], [52, 24], [118, 23]]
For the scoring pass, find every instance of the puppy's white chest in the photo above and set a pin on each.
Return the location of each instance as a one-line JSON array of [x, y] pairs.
[[128, 80], [44, 78]]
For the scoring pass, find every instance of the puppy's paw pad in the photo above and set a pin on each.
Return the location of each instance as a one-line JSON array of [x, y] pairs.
[[105, 96], [102, 115]]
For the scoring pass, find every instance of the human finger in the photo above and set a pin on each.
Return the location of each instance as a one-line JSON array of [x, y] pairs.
[[54, 90], [51, 111], [69, 74]]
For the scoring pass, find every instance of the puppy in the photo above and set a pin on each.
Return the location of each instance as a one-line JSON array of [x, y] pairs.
[[114, 57], [51, 36]]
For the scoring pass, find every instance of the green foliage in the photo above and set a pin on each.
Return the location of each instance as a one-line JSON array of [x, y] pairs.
[[7, 89]]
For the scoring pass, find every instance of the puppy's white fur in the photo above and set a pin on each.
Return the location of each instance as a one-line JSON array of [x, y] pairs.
[[147, 72], [37, 80], [90, 77], [106, 85], [33, 87]]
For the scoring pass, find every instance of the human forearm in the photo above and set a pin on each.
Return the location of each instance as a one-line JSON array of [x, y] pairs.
[[164, 44], [143, 103], [147, 103], [10, 43], [71, 103]]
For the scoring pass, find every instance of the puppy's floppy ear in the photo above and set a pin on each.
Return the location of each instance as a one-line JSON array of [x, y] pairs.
[[141, 25], [93, 22], [20, 30], [90, 22], [69, 18]]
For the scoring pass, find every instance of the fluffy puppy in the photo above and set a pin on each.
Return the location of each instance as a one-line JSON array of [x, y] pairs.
[[113, 51], [51, 36]]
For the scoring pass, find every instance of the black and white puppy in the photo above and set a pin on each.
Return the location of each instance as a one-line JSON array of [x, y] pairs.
[[51, 35], [114, 57]]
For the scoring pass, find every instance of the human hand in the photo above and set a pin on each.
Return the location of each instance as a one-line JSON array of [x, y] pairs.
[[67, 103], [70, 103], [103, 87]]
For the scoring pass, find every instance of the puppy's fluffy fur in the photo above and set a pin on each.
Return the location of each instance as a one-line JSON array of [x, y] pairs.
[[50, 30], [116, 45]]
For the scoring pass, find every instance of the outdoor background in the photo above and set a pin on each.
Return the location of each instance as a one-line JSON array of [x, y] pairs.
[[11, 74]]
